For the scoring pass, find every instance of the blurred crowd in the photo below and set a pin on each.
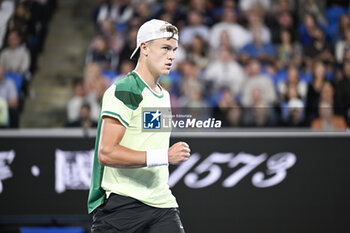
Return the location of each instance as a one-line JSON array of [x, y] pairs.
[[23, 28], [250, 63]]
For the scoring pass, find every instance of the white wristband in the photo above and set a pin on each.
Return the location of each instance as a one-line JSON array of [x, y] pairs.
[[157, 158]]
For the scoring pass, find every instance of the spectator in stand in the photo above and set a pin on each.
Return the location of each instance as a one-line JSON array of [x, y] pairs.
[[278, 6], [30, 22], [6, 10], [95, 86], [282, 17], [319, 49], [21, 21], [142, 11], [189, 83], [256, 25], [234, 116], [343, 25], [174, 12], [201, 6], [98, 4], [130, 45], [248, 5], [40, 15], [238, 35], [288, 51], [197, 53], [167, 83], [15, 57], [75, 103], [119, 11], [101, 54], [342, 46], [258, 49], [295, 114], [8, 93], [114, 38], [195, 27], [227, 109], [192, 100], [327, 120], [333, 13], [327, 94], [259, 84], [292, 94], [306, 29], [284, 21], [260, 113], [225, 71], [314, 90], [313, 7], [126, 66], [224, 42], [342, 90], [85, 120], [293, 80], [220, 6]]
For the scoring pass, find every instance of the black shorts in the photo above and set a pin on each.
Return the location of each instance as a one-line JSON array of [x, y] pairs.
[[128, 215]]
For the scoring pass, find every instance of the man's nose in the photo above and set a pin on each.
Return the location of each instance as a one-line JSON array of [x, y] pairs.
[[171, 55]]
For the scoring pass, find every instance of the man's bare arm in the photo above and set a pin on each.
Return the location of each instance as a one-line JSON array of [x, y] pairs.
[[112, 154]]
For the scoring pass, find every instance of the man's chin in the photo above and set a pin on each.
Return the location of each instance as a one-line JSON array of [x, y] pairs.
[[165, 72]]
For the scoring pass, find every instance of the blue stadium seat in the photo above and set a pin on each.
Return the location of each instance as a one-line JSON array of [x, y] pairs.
[[17, 78]]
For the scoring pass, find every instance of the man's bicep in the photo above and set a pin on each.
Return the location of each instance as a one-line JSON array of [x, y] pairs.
[[112, 131]]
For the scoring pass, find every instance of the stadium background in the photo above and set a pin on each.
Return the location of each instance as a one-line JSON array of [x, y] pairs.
[[274, 72]]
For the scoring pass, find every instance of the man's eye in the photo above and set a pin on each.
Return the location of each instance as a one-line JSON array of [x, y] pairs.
[[166, 48]]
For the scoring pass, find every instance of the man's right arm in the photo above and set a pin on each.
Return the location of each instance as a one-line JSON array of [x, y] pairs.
[[112, 154]]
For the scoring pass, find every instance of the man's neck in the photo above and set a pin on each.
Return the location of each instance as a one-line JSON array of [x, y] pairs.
[[148, 77]]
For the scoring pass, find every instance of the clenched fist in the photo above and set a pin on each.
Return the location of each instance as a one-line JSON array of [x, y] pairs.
[[178, 152]]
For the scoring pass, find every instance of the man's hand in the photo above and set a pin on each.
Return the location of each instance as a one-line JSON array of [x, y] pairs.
[[178, 152]]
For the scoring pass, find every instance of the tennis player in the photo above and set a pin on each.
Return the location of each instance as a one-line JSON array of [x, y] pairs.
[[129, 191]]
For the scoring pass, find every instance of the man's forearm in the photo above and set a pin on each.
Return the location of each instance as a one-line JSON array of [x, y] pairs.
[[121, 157]]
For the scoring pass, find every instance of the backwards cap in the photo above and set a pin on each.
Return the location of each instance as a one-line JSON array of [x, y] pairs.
[[151, 30]]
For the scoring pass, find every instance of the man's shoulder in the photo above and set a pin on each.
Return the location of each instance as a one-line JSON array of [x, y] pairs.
[[130, 83], [128, 90]]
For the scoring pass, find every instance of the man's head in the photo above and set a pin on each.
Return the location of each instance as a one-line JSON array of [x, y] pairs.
[[325, 110], [254, 67], [78, 85], [157, 41], [318, 34], [100, 44], [152, 30], [228, 15], [85, 112], [14, 39]]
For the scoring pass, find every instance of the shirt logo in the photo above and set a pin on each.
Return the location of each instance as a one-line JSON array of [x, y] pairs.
[[152, 119]]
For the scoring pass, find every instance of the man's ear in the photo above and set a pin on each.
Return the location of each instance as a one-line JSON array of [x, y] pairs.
[[144, 49]]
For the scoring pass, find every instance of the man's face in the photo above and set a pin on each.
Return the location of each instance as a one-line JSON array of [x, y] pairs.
[[13, 40], [160, 55]]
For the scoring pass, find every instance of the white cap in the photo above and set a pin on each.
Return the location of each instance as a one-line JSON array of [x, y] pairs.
[[151, 30]]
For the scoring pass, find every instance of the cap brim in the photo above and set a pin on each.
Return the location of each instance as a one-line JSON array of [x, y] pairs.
[[133, 53]]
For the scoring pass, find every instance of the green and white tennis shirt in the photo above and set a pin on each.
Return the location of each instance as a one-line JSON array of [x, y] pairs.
[[124, 101]]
